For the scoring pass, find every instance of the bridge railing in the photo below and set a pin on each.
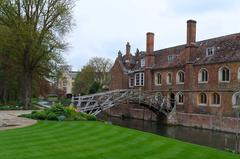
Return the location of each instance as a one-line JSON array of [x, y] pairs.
[[95, 103]]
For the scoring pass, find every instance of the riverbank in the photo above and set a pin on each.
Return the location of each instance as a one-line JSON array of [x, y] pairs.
[[96, 140], [205, 137]]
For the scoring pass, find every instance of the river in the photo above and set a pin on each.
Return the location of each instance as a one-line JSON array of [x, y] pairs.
[[215, 139]]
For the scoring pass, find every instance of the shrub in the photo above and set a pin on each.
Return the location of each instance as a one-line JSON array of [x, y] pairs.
[[58, 109], [52, 116], [79, 118], [61, 113], [40, 115], [66, 102], [70, 111], [91, 118], [10, 107]]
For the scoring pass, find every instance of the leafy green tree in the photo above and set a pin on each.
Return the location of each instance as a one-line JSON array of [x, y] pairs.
[[95, 87], [93, 77], [84, 79], [32, 34]]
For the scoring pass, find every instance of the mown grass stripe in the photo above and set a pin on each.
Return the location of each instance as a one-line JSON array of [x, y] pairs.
[[95, 140]]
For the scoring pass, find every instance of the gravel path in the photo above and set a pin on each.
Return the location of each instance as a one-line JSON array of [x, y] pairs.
[[10, 120]]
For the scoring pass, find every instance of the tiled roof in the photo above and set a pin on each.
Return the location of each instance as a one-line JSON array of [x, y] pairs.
[[227, 49]]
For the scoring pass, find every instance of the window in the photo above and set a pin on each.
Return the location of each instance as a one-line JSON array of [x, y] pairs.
[[202, 99], [65, 83], [180, 77], [169, 78], [131, 82], [139, 79], [224, 74], [171, 58], [180, 98], [203, 76], [158, 79], [239, 73], [142, 62], [215, 99], [210, 51], [236, 99]]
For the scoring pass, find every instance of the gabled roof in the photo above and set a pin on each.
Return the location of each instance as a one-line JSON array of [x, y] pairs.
[[227, 49]]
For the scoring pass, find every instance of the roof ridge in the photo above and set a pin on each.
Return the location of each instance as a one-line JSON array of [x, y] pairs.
[[181, 45]]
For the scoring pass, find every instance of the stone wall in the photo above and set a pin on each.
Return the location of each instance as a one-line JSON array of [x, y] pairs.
[[227, 124]]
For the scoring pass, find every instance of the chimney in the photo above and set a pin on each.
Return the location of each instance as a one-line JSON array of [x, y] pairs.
[[128, 49], [149, 50], [191, 32], [150, 43]]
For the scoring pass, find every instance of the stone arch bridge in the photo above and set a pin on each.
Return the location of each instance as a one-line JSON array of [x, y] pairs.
[[96, 103]]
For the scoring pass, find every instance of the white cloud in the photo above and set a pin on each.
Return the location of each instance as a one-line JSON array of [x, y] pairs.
[[103, 27]]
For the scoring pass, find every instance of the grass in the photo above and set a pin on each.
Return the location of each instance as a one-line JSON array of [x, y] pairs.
[[96, 140]]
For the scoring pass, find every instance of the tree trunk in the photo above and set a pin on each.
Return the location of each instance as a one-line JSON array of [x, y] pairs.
[[4, 97], [26, 89]]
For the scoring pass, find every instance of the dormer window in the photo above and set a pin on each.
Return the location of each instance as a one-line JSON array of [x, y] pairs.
[[210, 51], [142, 62], [171, 58]]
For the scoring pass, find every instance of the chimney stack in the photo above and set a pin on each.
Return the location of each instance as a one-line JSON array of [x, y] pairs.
[[128, 49], [149, 50], [150, 43], [191, 32]]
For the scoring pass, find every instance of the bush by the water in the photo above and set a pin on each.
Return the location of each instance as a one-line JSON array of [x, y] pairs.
[[59, 112]]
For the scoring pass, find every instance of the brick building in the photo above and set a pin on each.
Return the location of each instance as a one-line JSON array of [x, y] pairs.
[[203, 77]]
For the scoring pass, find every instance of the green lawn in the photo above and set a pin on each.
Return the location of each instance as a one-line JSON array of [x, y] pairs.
[[90, 140]]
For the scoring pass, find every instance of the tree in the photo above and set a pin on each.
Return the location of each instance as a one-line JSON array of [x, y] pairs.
[[84, 79], [102, 67], [32, 34], [93, 77]]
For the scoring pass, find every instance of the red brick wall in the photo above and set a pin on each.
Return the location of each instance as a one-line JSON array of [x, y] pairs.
[[133, 111], [227, 124], [119, 80], [192, 88]]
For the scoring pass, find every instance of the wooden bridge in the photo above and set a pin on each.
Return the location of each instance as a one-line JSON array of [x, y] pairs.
[[95, 103]]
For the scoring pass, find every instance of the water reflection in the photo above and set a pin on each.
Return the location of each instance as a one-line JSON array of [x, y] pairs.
[[219, 140]]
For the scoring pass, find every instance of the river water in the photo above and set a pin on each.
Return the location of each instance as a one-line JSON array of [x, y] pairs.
[[215, 139]]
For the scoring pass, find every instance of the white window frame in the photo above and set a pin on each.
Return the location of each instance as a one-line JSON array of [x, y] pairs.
[[199, 100], [178, 94], [171, 58], [212, 100], [220, 75], [210, 50], [140, 80], [157, 74], [142, 62], [200, 75], [168, 82], [238, 74], [178, 77], [234, 105], [131, 83]]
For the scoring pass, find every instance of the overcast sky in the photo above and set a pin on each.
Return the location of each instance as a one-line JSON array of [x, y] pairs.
[[102, 27]]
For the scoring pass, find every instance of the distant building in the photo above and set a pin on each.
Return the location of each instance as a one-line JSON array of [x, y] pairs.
[[66, 81]]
